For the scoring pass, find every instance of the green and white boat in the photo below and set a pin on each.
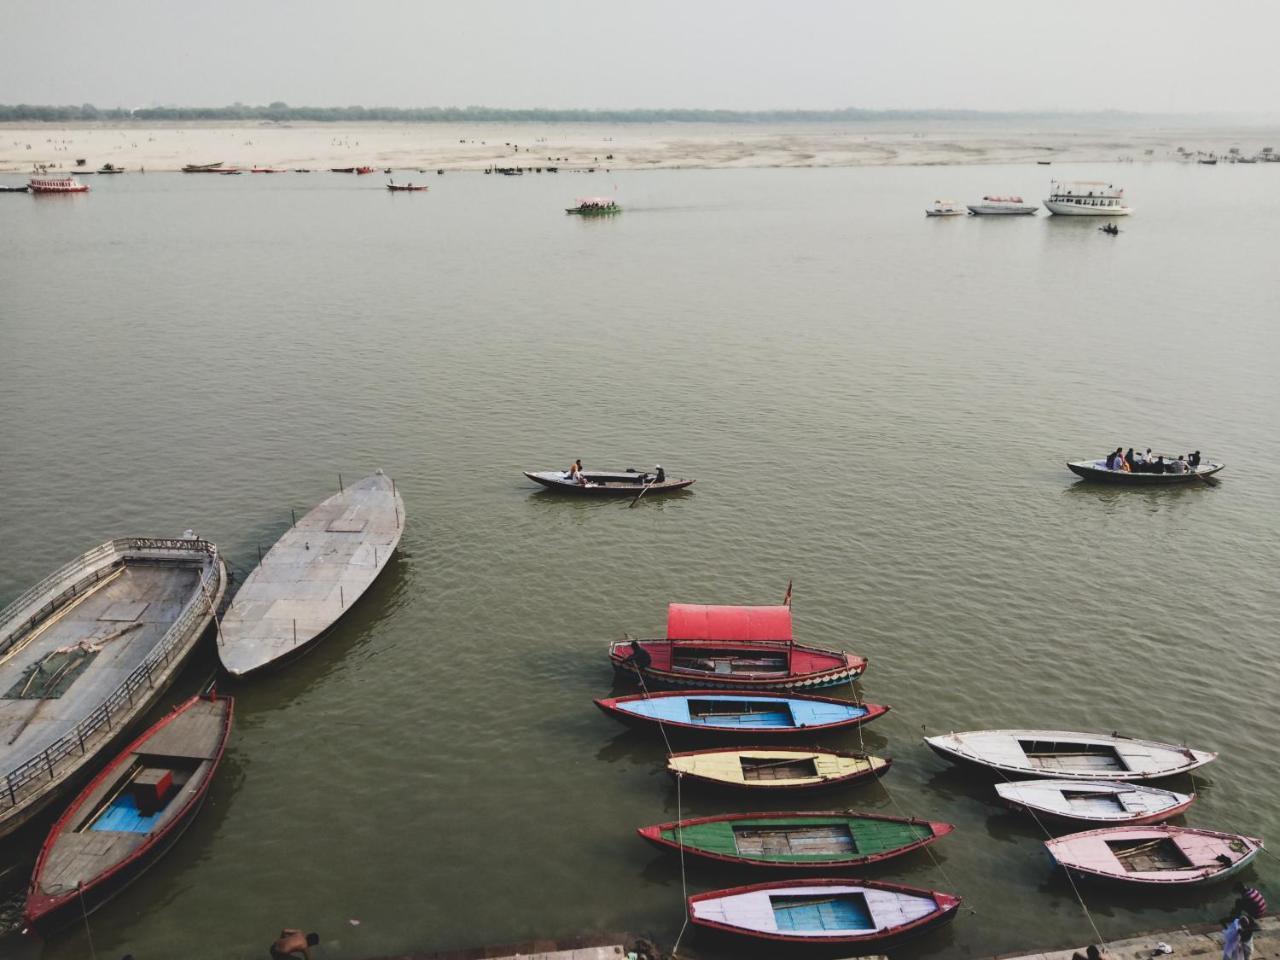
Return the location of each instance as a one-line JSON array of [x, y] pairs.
[[595, 207], [840, 838]]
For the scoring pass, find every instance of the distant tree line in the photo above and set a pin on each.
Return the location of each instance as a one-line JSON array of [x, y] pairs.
[[282, 112]]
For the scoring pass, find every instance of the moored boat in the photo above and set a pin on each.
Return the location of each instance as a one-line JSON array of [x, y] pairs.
[[1062, 755], [797, 840], [1098, 470], [945, 208], [1086, 198], [6, 188], [1088, 801], [312, 575], [266, 170], [342, 169], [129, 815], [56, 185], [406, 187], [87, 651], [607, 483], [732, 648], [595, 207], [1002, 207], [757, 714], [776, 768], [203, 167], [845, 913], [110, 168], [1157, 855]]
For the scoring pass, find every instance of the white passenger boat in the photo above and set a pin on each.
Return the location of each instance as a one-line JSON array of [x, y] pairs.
[[945, 208], [87, 651], [1062, 755], [312, 575], [1086, 198], [1003, 207], [1094, 801]]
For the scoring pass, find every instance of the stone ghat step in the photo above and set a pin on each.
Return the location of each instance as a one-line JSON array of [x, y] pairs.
[[1200, 940]]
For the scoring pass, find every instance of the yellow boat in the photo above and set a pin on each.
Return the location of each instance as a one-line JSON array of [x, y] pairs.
[[776, 768]]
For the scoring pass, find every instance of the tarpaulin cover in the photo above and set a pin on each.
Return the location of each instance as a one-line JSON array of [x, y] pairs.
[[697, 621]]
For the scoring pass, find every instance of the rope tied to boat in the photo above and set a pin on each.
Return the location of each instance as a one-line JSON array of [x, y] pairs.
[[84, 913]]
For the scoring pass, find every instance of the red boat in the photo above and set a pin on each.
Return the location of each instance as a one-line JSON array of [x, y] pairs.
[[734, 648], [365, 170], [129, 815], [56, 185]]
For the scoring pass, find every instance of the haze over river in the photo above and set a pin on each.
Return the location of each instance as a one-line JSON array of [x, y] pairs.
[[876, 405]]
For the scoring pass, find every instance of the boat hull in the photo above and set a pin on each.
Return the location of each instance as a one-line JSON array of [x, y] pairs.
[[1156, 856], [713, 838], [605, 483], [1090, 470], [680, 715]]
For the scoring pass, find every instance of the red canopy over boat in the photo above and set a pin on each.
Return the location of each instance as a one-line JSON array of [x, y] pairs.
[[697, 621]]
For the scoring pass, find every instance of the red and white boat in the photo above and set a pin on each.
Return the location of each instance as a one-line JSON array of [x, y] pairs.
[[56, 185], [365, 170], [1088, 801], [734, 648], [1162, 855]]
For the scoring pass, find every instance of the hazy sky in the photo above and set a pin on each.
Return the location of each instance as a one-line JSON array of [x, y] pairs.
[[1146, 55]]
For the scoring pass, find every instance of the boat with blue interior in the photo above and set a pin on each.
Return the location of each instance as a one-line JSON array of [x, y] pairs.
[[757, 714]]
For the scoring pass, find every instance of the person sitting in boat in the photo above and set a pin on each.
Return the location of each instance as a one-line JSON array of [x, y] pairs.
[[661, 475], [1178, 466], [1160, 466], [1111, 459], [294, 943], [1129, 463], [639, 658], [575, 471], [1140, 463], [1194, 460]]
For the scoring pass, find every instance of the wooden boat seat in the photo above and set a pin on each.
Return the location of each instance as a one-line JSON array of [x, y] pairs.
[[1149, 856], [757, 769], [787, 841]]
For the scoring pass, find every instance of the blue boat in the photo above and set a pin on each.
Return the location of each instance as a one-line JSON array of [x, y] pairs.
[[715, 711]]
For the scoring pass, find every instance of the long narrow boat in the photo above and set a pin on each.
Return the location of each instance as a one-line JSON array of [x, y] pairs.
[[1158, 855], [203, 167], [846, 913], [1058, 754], [1087, 801], [757, 714], [733, 648], [797, 840], [607, 483], [312, 575], [776, 768], [407, 187], [87, 651], [129, 815], [1097, 470]]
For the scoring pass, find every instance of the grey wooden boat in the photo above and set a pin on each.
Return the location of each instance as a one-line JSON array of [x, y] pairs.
[[87, 651], [312, 575], [606, 483], [1097, 470]]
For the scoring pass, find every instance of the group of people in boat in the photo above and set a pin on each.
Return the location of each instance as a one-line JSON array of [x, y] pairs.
[[1130, 462], [575, 474]]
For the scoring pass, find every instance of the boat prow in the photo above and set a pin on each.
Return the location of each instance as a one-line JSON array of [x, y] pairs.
[[312, 575]]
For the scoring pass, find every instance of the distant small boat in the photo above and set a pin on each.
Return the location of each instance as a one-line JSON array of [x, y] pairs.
[[301, 169], [594, 206], [1087, 801], [202, 167], [266, 170], [229, 172], [1110, 228], [10, 189], [56, 185], [945, 208], [776, 768], [365, 170], [1210, 162], [1003, 207], [607, 483], [1097, 470], [1061, 755], [342, 169], [129, 815], [108, 168], [734, 648], [1044, 163], [797, 840], [757, 714], [406, 187], [1161, 855], [826, 912]]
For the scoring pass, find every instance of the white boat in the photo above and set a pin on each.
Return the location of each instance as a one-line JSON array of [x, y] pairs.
[[1086, 198], [312, 575], [1092, 801], [945, 208], [1003, 207], [1062, 755]]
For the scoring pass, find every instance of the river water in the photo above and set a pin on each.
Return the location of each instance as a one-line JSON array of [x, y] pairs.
[[876, 405]]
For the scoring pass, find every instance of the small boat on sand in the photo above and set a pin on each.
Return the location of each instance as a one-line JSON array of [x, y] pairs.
[[406, 187], [816, 913], [129, 815], [776, 768], [1159, 855], [1057, 754], [607, 483], [1098, 470], [1088, 801], [757, 714], [821, 839], [732, 648], [312, 575]]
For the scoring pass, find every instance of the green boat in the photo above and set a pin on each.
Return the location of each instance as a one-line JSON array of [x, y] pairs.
[[837, 838], [595, 207]]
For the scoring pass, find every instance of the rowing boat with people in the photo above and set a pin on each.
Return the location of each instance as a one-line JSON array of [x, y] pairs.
[[607, 483], [1099, 471]]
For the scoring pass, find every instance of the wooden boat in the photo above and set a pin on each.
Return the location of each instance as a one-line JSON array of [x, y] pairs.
[[776, 768], [757, 714], [607, 483], [342, 169], [826, 912], [1097, 470], [109, 168], [202, 167], [266, 170], [797, 840], [88, 651], [365, 170], [734, 648], [1057, 754], [1088, 801], [312, 575], [595, 207], [129, 815], [1159, 855], [406, 187], [56, 185], [8, 189]]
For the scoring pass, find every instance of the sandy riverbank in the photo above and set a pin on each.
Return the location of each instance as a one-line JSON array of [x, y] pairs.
[[475, 146]]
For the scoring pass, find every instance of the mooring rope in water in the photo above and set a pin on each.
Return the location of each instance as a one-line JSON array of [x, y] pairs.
[[84, 912]]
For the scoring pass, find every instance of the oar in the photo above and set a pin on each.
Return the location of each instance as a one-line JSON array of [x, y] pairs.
[[642, 493]]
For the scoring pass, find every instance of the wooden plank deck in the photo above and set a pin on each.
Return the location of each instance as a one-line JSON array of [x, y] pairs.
[[313, 574]]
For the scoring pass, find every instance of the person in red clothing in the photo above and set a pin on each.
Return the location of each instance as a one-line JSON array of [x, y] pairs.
[[1249, 903]]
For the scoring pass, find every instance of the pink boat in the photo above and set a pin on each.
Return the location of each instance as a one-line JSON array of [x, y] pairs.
[[1161, 855]]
